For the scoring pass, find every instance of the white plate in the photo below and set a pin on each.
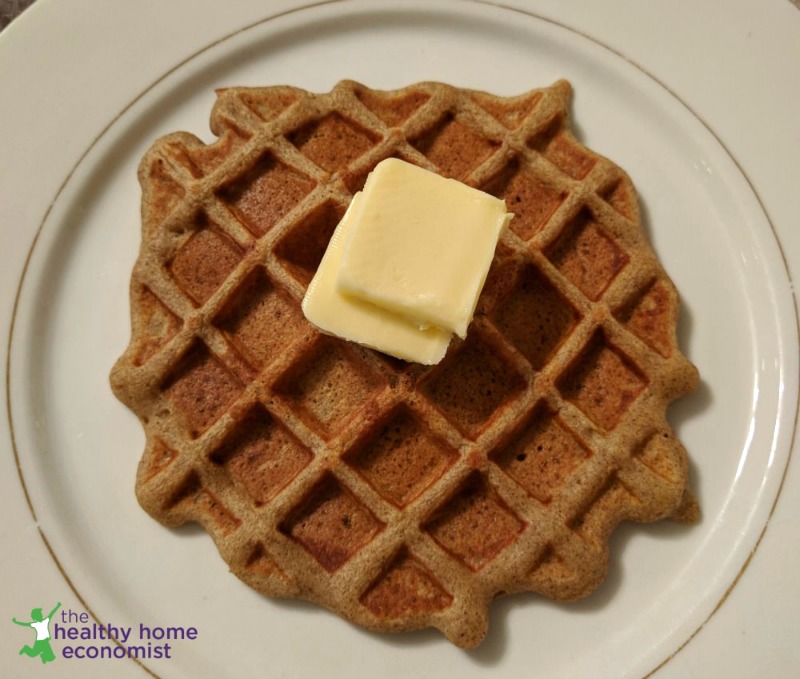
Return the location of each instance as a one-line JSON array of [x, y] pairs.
[[77, 448]]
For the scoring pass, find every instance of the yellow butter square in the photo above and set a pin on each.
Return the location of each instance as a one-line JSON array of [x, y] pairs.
[[420, 245]]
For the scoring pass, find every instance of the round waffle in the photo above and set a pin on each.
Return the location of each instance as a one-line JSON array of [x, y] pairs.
[[401, 496]]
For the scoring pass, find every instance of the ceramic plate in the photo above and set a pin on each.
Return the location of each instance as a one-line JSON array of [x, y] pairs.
[[76, 448]]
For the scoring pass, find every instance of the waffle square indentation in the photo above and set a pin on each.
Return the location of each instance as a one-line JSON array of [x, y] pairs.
[[402, 458], [204, 261], [331, 524], [566, 154], [531, 201], [535, 317], [328, 387], [269, 104], [472, 384], [587, 255], [406, 588], [510, 112], [542, 455], [475, 525], [649, 317], [392, 110], [302, 248], [262, 456], [333, 142], [202, 388], [454, 148], [602, 382], [265, 194], [260, 320]]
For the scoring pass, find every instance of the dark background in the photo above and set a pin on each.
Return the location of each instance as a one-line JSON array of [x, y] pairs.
[[9, 9]]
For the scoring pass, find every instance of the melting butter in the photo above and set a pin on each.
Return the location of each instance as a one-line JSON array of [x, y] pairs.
[[353, 319], [406, 264], [420, 245]]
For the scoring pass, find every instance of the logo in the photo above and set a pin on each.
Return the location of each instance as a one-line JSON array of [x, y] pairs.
[[79, 638], [41, 625]]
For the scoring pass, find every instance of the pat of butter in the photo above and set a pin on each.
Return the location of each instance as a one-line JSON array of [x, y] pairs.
[[420, 245], [354, 319]]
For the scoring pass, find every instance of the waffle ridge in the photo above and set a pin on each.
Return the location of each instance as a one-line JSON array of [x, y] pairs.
[[401, 496]]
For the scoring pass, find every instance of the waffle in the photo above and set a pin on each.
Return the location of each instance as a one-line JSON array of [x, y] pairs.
[[397, 495]]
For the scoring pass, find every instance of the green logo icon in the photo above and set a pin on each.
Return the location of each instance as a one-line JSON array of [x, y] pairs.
[[41, 625]]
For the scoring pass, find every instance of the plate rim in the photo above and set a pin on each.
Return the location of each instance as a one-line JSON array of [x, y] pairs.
[[312, 5]]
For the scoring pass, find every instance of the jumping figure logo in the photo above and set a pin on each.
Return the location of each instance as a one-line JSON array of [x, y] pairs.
[[41, 625]]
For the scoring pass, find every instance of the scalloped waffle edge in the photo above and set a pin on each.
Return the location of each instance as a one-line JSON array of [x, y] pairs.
[[401, 496]]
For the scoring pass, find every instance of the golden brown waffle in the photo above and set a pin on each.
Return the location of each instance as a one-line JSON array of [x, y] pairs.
[[397, 495]]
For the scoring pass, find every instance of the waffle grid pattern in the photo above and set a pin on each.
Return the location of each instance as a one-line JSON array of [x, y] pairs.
[[396, 495]]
